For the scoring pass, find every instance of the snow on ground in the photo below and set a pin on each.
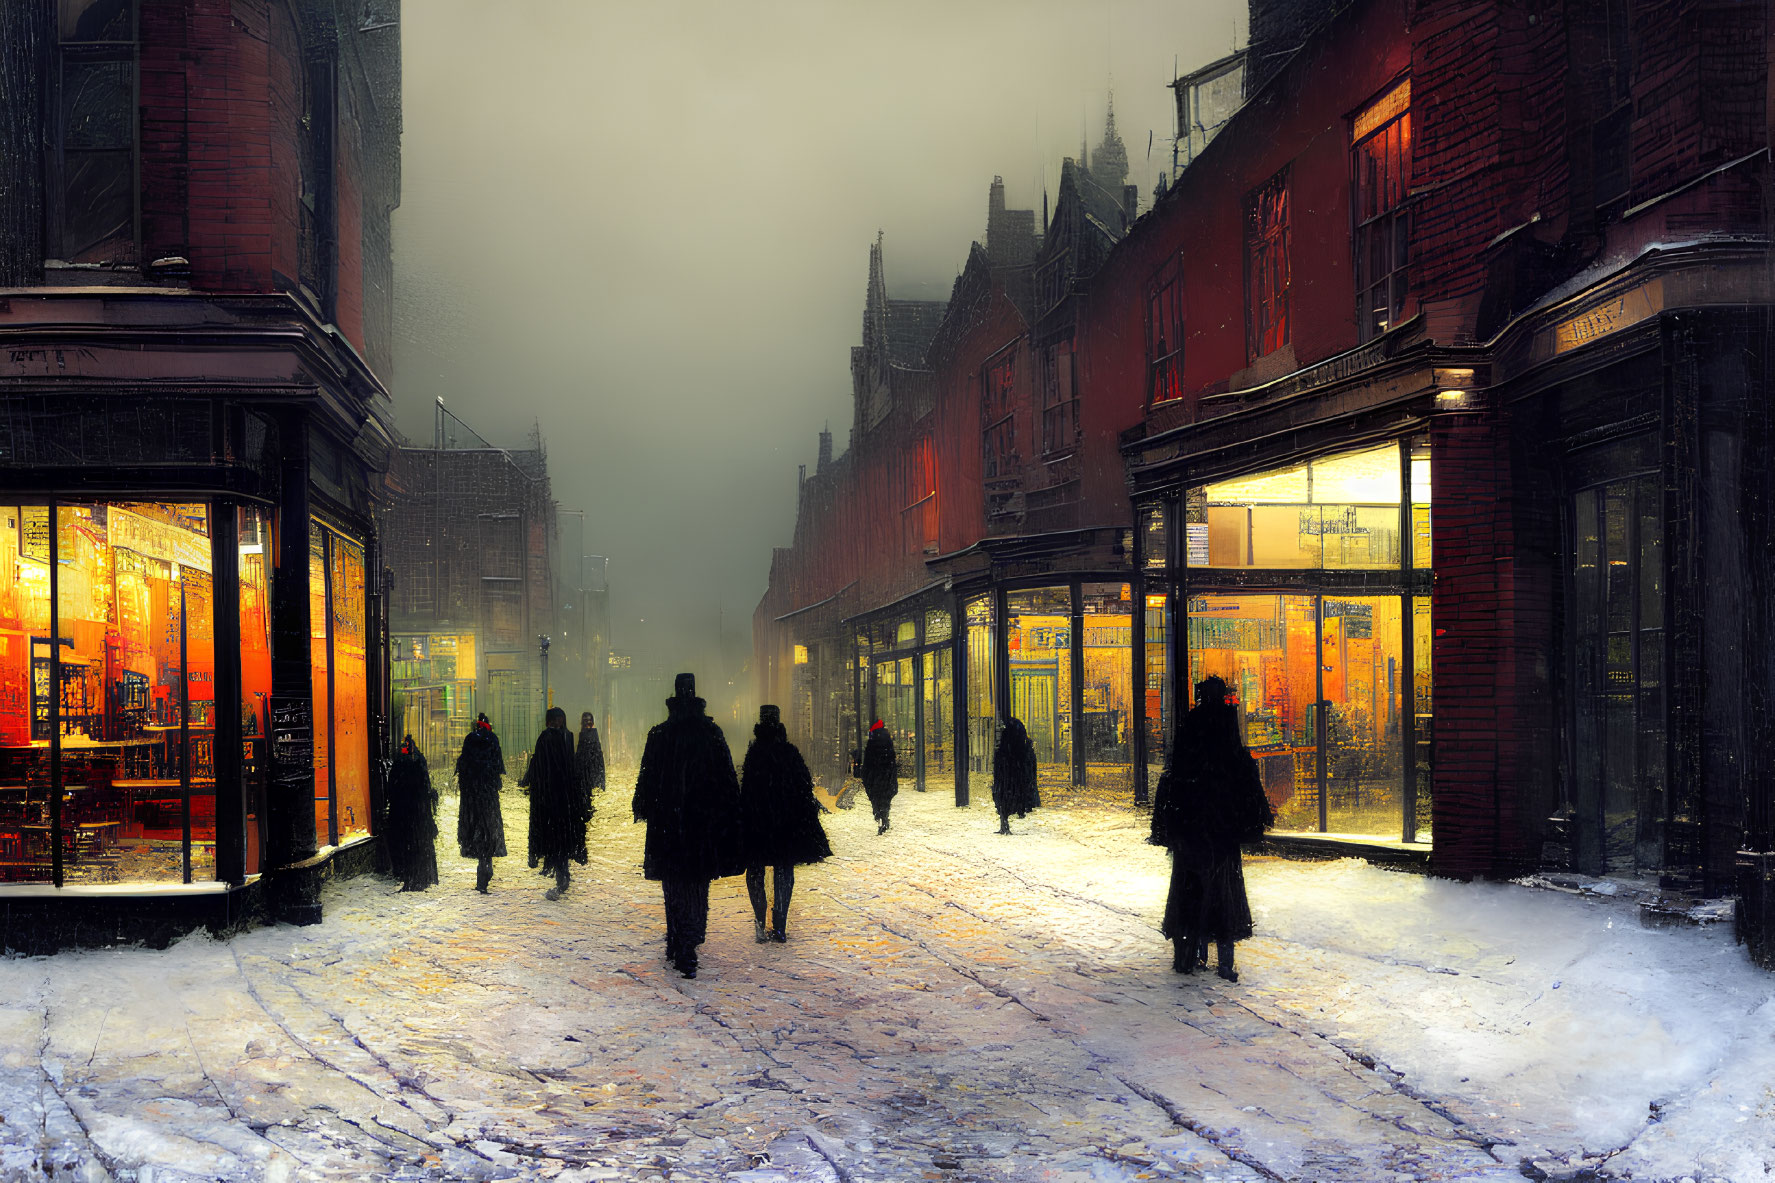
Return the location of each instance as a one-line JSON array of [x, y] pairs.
[[951, 1004]]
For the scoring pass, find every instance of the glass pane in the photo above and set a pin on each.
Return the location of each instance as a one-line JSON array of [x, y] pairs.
[[1617, 512], [982, 668], [1262, 646], [351, 740], [98, 104], [1420, 506], [1287, 486], [1159, 708], [1038, 630], [97, 20], [1368, 477], [936, 626], [1108, 692], [905, 634], [1360, 536], [98, 207], [317, 666], [1423, 704], [255, 676], [939, 712], [1651, 555], [137, 691], [1155, 538], [1364, 762], [24, 707], [1619, 796], [1283, 536]]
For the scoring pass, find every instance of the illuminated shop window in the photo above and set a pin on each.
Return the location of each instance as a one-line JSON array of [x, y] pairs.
[[339, 666], [1038, 630], [1106, 724], [981, 680], [1337, 512]]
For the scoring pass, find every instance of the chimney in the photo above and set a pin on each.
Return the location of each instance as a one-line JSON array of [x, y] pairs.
[[1130, 204], [825, 449], [801, 483]]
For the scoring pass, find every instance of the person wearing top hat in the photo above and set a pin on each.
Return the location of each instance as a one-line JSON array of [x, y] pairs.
[[480, 826], [558, 810], [1014, 790], [779, 820], [411, 826], [1209, 800], [688, 795], [881, 774]]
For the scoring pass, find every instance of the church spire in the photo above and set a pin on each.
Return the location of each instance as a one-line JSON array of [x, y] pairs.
[[1110, 167]]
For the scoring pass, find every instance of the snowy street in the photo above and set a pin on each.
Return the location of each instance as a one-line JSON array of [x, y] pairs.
[[951, 1004]]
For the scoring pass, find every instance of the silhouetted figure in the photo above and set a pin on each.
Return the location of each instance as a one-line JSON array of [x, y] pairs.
[[779, 819], [1014, 791], [688, 794], [1210, 799], [480, 826], [881, 774], [558, 809], [588, 757], [410, 831]]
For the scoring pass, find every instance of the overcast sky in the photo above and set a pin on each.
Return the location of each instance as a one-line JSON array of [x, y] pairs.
[[647, 226]]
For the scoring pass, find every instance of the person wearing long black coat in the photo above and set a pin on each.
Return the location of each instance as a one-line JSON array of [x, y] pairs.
[[558, 809], [1210, 799], [1014, 791], [480, 826], [688, 795], [588, 757], [881, 774], [411, 826], [779, 820]]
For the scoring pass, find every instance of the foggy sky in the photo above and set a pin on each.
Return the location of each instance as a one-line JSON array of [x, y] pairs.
[[647, 227]]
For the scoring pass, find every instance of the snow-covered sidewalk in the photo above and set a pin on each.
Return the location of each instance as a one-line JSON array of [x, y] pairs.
[[951, 1004]]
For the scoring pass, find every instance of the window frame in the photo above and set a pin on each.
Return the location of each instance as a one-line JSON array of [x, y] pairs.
[[67, 53], [1164, 356], [1061, 429], [998, 416], [1387, 229], [1268, 267]]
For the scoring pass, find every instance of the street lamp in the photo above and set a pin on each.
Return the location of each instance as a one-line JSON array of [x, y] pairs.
[[547, 697]]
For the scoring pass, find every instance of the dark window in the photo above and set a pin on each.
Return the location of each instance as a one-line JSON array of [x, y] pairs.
[[997, 418], [1380, 168], [1164, 334], [93, 211], [1060, 397], [1266, 266]]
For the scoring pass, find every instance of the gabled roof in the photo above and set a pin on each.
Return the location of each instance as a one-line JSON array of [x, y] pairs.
[[910, 326]]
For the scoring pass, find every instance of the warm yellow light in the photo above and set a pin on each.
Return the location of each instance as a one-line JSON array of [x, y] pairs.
[[1155, 601], [801, 655]]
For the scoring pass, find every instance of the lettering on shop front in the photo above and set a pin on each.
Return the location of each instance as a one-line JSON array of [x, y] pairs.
[[292, 738]]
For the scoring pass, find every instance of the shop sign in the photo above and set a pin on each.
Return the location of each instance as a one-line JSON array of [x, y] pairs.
[[157, 540], [1622, 312], [35, 532]]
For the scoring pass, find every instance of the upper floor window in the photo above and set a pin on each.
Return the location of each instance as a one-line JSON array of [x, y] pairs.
[[998, 420], [1164, 334], [1266, 266], [1380, 168], [92, 211], [919, 517], [1060, 401]]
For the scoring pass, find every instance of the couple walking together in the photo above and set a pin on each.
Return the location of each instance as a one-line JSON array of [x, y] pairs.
[[704, 822]]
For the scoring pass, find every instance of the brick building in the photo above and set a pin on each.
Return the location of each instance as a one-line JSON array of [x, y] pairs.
[[1437, 379], [472, 540], [195, 300]]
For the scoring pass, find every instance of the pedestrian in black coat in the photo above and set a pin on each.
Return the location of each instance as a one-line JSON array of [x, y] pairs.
[[881, 773], [688, 795], [480, 826], [1210, 799], [588, 757], [410, 830], [558, 809], [779, 819], [1014, 791]]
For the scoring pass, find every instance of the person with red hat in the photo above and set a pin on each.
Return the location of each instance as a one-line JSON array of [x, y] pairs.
[[881, 773], [480, 826]]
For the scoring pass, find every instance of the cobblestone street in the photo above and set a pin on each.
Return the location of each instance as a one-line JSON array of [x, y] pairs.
[[951, 1004]]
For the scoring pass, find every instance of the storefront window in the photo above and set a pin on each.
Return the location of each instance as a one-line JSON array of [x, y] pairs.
[[1422, 638], [1038, 629], [1420, 504], [24, 682], [1159, 720], [134, 681], [319, 671], [351, 711], [939, 711], [1107, 704], [1326, 732], [906, 634], [255, 675], [982, 680], [1335, 512]]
